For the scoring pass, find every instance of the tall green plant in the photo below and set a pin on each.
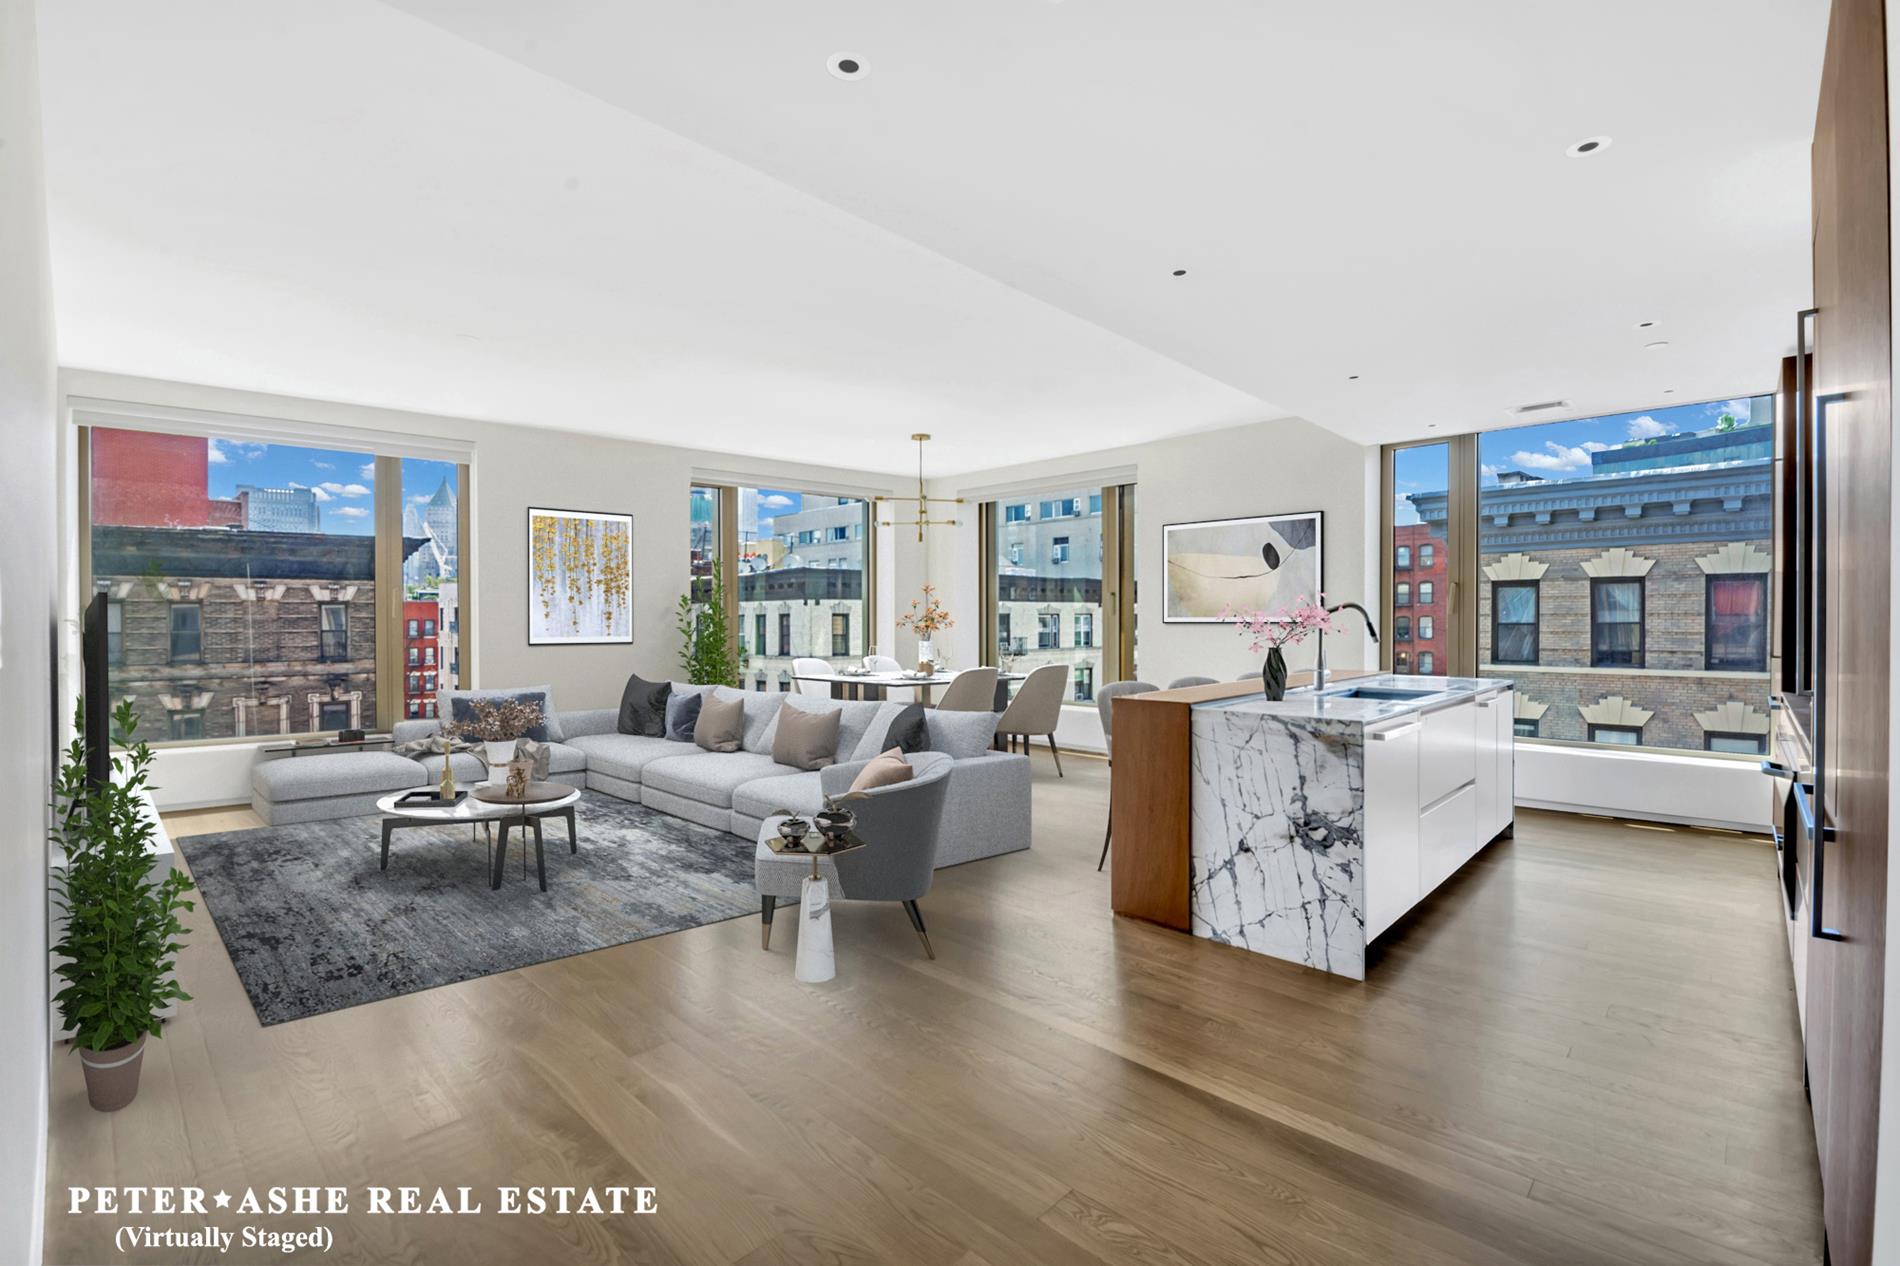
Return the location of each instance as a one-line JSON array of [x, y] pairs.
[[709, 652], [122, 933]]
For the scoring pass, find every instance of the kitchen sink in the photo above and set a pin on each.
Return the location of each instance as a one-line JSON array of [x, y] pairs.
[[1387, 693]]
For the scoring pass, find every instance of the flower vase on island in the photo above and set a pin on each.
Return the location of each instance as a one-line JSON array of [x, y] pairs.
[[1273, 631]]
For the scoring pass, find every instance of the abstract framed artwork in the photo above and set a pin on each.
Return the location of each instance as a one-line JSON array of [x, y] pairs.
[[580, 577], [1255, 564]]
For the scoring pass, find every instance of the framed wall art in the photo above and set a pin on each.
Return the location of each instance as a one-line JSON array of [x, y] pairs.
[[580, 577], [1255, 564]]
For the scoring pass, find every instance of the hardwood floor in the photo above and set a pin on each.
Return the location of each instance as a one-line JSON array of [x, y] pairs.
[[1582, 1050]]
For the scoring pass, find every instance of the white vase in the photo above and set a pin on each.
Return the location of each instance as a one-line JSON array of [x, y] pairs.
[[499, 754], [926, 650]]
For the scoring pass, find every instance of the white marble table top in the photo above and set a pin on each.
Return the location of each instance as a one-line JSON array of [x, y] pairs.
[[1339, 701]]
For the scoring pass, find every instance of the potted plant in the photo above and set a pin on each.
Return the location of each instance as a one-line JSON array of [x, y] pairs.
[[121, 936], [926, 618], [1275, 630], [709, 652], [498, 725]]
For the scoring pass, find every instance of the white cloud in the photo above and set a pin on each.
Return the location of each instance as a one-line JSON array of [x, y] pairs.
[[1648, 428], [324, 465], [351, 512], [344, 490], [295, 485], [775, 501], [421, 498], [214, 454], [1557, 457], [367, 471], [322, 496], [1592, 446]]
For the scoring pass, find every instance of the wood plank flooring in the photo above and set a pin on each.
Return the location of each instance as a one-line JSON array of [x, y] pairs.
[[1582, 1050]]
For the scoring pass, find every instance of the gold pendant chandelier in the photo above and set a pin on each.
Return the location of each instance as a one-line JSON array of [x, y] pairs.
[[922, 502]]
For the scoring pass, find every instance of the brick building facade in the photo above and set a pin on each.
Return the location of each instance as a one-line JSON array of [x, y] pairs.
[[1421, 600]]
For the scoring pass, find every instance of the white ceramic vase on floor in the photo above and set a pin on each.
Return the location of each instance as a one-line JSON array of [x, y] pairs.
[[815, 960]]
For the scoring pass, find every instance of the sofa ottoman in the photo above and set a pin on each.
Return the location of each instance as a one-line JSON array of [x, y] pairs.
[[329, 785]]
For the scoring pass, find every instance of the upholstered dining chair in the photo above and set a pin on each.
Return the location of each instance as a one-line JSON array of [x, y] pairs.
[[1182, 683], [882, 664], [899, 824], [1105, 704], [972, 690], [1036, 709], [807, 664]]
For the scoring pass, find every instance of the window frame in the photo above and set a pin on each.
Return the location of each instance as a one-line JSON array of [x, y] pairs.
[[325, 655], [1536, 622], [1427, 664], [1402, 594], [1760, 742], [1710, 582], [1593, 731], [1402, 557], [1427, 629], [1641, 621], [171, 622], [1427, 591], [1524, 727], [1402, 628], [840, 635], [115, 633]]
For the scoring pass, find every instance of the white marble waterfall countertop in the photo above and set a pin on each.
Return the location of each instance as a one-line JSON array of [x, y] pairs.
[[1349, 701]]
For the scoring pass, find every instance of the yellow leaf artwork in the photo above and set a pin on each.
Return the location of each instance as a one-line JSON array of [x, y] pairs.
[[580, 577]]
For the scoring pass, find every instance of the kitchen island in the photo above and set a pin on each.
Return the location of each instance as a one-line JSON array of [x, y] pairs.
[[1307, 826]]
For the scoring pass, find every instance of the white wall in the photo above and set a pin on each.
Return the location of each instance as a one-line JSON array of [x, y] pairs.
[[28, 478], [1273, 467], [513, 468]]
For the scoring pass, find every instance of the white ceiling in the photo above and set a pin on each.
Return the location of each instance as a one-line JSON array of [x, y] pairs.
[[668, 221]]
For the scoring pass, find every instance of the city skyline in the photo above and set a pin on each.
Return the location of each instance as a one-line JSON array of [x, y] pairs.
[[344, 482]]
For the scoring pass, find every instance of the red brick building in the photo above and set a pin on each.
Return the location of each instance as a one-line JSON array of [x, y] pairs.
[[143, 479], [421, 655], [1420, 600]]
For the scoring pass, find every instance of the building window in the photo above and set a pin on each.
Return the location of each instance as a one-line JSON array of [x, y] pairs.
[[1425, 663], [1624, 735], [1016, 514], [1402, 628], [1424, 593], [1059, 550], [1048, 630], [428, 708], [415, 629], [1424, 628], [415, 656], [115, 633], [1514, 622], [784, 633], [428, 683], [1616, 624], [1044, 582], [1425, 552], [1742, 744], [1084, 683], [186, 727], [415, 683], [333, 632], [1003, 646], [1402, 556], [1736, 637], [758, 633], [1524, 727], [415, 708], [333, 714], [840, 634], [1401, 661], [188, 634], [1085, 632], [428, 628], [1402, 595], [428, 655]]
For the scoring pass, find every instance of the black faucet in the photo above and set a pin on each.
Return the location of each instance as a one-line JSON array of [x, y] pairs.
[[1319, 670]]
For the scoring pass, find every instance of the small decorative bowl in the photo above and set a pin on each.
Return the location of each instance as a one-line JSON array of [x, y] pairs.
[[794, 831], [835, 824]]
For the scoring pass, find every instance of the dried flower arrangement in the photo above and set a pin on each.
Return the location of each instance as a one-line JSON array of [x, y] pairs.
[[926, 615], [497, 720]]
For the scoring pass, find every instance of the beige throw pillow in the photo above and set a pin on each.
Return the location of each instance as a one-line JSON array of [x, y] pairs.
[[884, 771], [806, 740], [721, 724]]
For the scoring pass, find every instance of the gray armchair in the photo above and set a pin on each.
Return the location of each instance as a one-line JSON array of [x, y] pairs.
[[900, 824]]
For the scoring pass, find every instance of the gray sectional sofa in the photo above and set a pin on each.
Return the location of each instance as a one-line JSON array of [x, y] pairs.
[[986, 812]]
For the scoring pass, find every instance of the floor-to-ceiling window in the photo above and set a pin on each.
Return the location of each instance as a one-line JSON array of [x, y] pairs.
[[1622, 568], [803, 563], [1058, 587], [245, 588], [1416, 560]]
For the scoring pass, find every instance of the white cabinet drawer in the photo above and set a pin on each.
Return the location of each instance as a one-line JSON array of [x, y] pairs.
[[1447, 837], [1447, 756], [1391, 822]]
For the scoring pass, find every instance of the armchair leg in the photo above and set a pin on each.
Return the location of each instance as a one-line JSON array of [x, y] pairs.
[[1106, 837], [917, 921], [1058, 755], [765, 921]]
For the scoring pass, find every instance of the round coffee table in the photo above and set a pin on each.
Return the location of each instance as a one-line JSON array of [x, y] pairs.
[[482, 813]]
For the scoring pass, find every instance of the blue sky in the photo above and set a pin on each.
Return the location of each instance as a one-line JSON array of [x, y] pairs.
[[1554, 450], [345, 482]]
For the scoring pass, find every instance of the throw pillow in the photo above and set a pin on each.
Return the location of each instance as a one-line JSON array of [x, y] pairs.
[[682, 714], [806, 740], [643, 707], [883, 771], [961, 734], [721, 723], [462, 708], [909, 731]]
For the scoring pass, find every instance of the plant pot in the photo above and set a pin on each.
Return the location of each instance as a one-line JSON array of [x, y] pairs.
[[1273, 675], [112, 1075], [498, 756]]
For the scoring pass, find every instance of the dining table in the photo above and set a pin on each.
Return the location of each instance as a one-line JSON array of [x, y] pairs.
[[873, 685]]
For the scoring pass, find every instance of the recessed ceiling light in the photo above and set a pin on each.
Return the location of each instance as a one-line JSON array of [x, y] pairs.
[[1431, 426], [845, 66], [1657, 346], [1587, 146], [1644, 325], [1180, 272], [1669, 391], [1352, 377]]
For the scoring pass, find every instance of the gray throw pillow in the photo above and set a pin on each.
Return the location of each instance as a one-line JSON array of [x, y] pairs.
[[682, 714], [806, 740], [961, 735], [643, 707], [909, 731], [721, 724]]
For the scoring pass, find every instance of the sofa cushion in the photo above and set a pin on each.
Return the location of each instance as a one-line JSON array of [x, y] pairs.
[[643, 707], [856, 718], [961, 734], [760, 708], [885, 770], [334, 774], [711, 779], [871, 742], [682, 714], [621, 756], [457, 706], [469, 768], [910, 730], [762, 797], [721, 724], [565, 758], [806, 739]]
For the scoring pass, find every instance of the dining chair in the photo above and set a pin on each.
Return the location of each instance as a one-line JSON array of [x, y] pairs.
[[806, 664], [1036, 709], [882, 664], [1105, 704], [1182, 683], [972, 690], [900, 823]]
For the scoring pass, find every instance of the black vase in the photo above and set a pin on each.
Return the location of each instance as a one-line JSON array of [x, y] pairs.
[[1273, 676]]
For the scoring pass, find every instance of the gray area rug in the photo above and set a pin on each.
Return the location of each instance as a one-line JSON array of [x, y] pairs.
[[313, 926]]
